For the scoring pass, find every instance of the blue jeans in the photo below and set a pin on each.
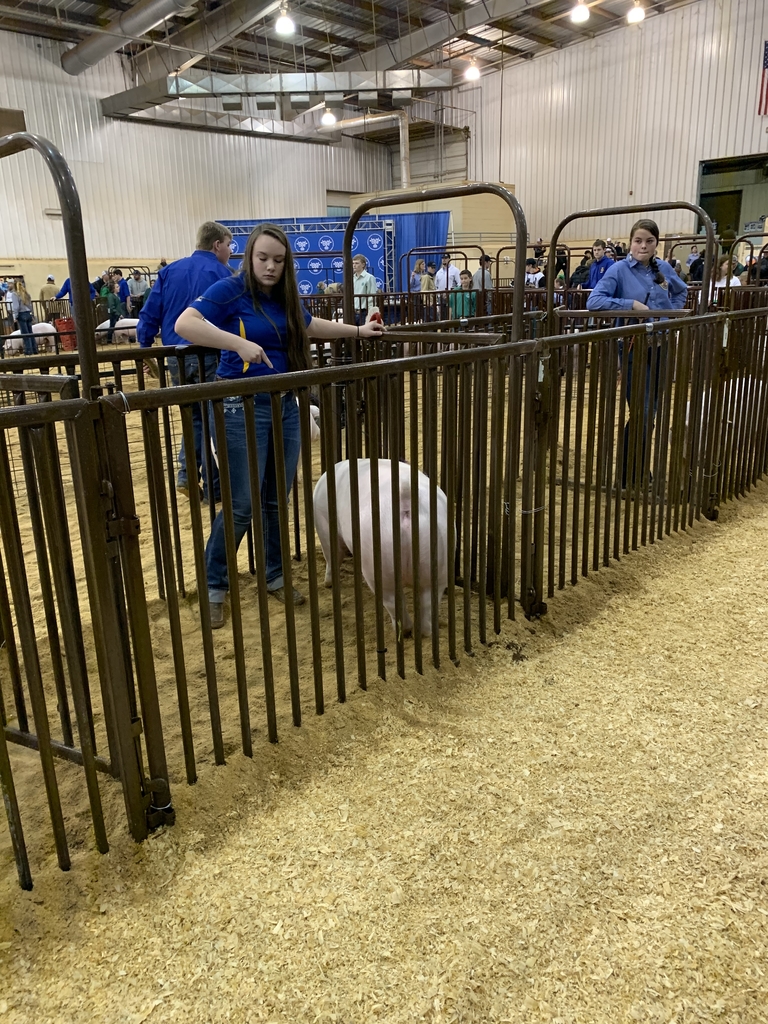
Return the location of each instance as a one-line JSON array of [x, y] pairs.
[[192, 376], [25, 326], [234, 419]]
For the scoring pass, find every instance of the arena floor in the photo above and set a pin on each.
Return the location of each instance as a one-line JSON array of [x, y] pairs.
[[569, 827]]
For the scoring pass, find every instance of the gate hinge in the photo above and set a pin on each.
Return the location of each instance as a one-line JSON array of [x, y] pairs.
[[128, 526]]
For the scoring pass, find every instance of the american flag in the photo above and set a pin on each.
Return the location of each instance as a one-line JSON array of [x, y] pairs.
[[762, 106]]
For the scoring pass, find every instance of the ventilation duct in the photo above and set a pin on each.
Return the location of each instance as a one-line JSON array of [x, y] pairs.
[[142, 18]]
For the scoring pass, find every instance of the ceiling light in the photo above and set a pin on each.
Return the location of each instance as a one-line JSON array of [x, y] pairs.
[[636, 14], [328, 117], [473, 71], [580, 13], [284, 25]]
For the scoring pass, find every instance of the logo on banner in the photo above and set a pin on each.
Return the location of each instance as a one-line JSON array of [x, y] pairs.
[[355, 243], [381, 264], [315, 266], [234, 246], [301, 244], [375, 242], [338, 265], [326, 243], [380, 284], [296, 265], [305, 287]]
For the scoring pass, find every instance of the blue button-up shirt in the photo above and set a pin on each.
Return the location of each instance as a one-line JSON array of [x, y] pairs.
[[177, 286], [629, 280]]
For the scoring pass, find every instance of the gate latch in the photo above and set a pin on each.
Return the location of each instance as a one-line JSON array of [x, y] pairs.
[[128, 526]]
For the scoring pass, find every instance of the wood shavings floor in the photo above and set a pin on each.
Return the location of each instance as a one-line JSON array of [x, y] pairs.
[[570, 827]]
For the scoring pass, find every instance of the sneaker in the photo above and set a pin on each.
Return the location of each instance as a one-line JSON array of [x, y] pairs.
[[217, 614], [298, 598]]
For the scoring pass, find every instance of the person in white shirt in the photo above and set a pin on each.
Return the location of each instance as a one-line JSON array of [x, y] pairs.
[[725, 271], [533, 276], [363, 284], [448, 276], [446, 279]]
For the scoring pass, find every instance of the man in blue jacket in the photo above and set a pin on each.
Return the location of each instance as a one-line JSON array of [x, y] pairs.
[[177, 286], [66, 291], [599, 265]]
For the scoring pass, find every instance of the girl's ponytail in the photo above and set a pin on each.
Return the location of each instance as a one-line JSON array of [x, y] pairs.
[[658, 277]]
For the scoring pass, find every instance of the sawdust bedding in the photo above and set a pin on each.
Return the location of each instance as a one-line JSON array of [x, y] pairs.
[[569, 827]]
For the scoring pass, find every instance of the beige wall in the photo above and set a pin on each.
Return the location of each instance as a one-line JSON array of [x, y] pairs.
[[482, 214]]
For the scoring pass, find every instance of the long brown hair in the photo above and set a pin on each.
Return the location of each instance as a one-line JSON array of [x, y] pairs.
[[21, 291], [653, 229], [285, 292]]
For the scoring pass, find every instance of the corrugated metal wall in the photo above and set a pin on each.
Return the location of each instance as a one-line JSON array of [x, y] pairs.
[[442, 158], [625, 117], [144, 189]]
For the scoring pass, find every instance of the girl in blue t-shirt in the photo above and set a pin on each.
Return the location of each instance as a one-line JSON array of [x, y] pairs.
[[257, 319]]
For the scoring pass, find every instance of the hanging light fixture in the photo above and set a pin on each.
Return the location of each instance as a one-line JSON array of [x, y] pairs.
[[636, 13], [284, 26], [328, 117], [473, 71], [580, 13]]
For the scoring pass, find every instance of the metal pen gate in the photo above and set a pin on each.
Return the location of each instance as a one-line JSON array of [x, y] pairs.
[[545, 478]]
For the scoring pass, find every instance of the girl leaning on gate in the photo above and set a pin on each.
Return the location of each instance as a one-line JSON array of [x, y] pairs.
[[640, 283]]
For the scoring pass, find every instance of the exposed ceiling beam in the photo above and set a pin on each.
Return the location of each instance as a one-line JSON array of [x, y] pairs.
[[310, 11], [383, 16], [9, 23], [280, 47], [88, 21], [324, 37], [490, 44], [397, 52], [516, 29], [114, 5]]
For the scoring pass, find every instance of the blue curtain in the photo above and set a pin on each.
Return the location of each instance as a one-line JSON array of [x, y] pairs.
[[414, 230]]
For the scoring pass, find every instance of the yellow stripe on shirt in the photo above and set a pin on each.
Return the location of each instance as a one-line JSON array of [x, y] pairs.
[[242, 335]]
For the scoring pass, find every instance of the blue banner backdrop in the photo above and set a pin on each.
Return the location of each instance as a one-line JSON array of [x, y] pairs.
[[316, 243]]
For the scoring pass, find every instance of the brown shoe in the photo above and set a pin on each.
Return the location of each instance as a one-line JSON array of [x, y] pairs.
[[298, 598], [217, 614]]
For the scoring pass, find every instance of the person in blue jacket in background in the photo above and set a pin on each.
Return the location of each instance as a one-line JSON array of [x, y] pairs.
[[66, 291], [122, 289], [178, 285], [640, 283], [600, 263]]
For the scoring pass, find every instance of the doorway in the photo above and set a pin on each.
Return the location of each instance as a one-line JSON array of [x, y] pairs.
[[725, 210]]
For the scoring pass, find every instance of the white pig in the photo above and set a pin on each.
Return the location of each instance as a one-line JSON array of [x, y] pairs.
[[125, 330], [367, 540], [45, 340]]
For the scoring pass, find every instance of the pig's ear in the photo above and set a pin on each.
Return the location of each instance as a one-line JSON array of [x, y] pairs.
[[371, 311]]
